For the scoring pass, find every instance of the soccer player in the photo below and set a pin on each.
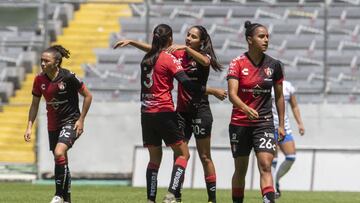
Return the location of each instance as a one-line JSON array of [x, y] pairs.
[[251, 76], [158, 117], [287, 146], [60, 88], [194, 114]]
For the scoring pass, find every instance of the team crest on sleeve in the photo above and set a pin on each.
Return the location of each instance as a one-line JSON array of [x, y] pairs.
[[43, 86], [268, 71]]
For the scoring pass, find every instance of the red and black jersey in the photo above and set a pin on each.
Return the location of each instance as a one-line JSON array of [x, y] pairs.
[[157, 83], [255, 83], [198, 74], [61, 95]]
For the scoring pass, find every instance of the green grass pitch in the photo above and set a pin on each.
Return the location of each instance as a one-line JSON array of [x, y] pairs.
[[27, 192]]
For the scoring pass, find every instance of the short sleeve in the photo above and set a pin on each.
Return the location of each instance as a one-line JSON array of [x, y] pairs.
[[179, 54], [76, 82], [36, 91], [292, 89], [174, 65], [234, 69], [278, 72]]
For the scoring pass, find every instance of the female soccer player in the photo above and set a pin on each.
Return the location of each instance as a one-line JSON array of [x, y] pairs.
[[250, 79], [158, 117], [287, 146], [194, 114], [60, 88]]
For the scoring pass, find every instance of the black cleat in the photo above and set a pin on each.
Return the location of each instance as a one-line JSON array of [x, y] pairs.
[[278, 192]]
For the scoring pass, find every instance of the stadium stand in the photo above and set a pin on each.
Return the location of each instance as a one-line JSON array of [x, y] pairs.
[[297, 39], [22, 42], [22, 39]]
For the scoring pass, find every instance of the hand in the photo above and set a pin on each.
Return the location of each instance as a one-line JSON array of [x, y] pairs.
[[175, 47], [281, 134], [251, 113], [301, 129], [221, 94], [122, 43], [79, 127], [27, 135]]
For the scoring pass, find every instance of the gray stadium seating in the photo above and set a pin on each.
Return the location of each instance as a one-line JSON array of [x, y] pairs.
[[296, 38]]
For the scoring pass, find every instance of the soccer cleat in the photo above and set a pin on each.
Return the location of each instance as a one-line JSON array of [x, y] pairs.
[[149, 201], [278, 192], [57, 199], [169, 198]]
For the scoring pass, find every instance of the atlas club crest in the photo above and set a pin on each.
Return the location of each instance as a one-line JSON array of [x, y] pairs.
[[61, 85], [268, 71]]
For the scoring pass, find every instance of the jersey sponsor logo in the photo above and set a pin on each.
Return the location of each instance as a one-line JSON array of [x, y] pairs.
[[257, 91], [56, 103], [177, 178], [43, 86], [268, 71], [62, 85], [245, 71]]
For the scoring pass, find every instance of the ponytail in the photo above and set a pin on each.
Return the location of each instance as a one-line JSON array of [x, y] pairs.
[[59, 52], [162, 34]]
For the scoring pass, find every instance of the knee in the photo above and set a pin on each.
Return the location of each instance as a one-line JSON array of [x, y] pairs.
[[265, 167], [58, 154], [240, 171], [205, 159]]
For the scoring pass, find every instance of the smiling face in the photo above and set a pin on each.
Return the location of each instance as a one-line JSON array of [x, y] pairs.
[[193, 38], [48, 62], [260, 39]]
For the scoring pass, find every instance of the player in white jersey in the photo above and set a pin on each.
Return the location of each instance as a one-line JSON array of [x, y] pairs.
[[287, 146]]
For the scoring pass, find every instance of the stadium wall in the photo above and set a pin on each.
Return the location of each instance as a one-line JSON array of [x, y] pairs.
[[112, 130]]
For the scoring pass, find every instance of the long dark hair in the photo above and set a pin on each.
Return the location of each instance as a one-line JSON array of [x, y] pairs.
[[207, 47], [162, 34], [59, 52]]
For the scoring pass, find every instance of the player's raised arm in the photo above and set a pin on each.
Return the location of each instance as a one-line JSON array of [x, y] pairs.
[[137, 44]]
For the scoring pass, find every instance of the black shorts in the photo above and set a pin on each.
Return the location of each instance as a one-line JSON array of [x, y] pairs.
[[197, 122], [160, 126], [244, 138], [66, 135]]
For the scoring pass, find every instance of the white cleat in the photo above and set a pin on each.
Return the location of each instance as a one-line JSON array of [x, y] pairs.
[[169, 198], [57, 199]]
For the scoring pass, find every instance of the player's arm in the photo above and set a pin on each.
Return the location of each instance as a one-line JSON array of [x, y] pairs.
[[137, 44], [296, 111], [197, 56], [79, 125], [190, 86], [32, 116], [197, 89], [233, 86], [280, 107]]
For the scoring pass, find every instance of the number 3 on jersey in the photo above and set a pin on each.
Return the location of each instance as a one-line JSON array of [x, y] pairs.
[[148, 82]]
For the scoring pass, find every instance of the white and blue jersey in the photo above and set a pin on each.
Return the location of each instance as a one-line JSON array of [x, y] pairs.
[[288, 91]]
